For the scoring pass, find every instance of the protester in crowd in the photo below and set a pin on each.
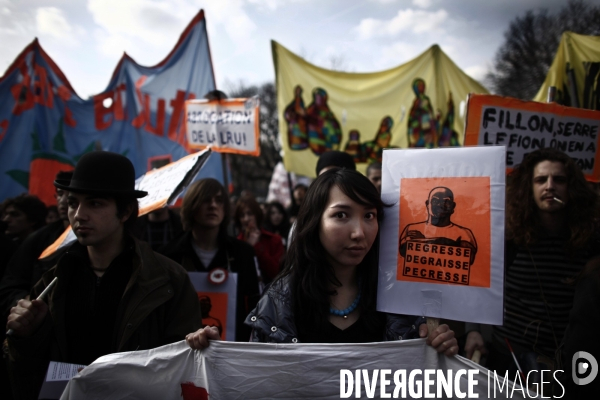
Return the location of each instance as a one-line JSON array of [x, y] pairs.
[[23, 215], [112, 293], [327, 292], [374, 174], [551, 233], [159, 227], [25, 269], [298, 194], [206, 247], [277, 221], [263, 204], [334, 159], [268, 246], [52, 215], [328, 160], [7, 245]]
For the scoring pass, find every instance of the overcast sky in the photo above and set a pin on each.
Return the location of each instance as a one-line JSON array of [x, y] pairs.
[[86, 38]]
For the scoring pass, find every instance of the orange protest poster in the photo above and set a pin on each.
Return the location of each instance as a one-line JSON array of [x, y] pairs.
[[441, 251], [213, 306], [525, 126], [217, 300], [445, 231]]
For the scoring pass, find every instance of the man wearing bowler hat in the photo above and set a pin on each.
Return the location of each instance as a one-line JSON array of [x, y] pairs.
[[113, 293]]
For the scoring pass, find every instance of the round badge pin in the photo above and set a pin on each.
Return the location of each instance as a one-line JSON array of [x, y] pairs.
[[217, 276]]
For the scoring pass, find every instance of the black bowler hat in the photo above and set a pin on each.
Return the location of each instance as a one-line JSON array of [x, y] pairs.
[[103, 173]]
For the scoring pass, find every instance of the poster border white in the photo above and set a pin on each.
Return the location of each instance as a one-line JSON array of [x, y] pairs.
[[455, 302]]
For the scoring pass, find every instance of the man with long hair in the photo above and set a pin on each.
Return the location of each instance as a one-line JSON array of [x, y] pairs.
[[206, 247], [551, 221]]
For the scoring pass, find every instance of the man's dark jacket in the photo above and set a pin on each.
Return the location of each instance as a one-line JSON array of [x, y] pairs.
[[159, 306]]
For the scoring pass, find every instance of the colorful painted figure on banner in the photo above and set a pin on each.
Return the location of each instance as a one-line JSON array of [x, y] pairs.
[[373, 150], [353, 147], [422, 124], [295, 116], [324, 130], [448, 136]]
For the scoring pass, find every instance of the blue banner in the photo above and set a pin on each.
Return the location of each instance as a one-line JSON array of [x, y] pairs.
[[45, 126]]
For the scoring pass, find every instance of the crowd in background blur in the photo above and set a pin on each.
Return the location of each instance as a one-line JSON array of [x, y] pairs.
[[249, 236]]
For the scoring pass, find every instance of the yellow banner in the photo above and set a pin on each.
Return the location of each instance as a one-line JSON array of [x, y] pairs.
[[575, 72], [416, 104]]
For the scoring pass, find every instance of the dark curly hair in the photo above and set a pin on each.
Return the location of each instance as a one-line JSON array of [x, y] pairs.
[[309, 274], [522, 219], [31, 206]]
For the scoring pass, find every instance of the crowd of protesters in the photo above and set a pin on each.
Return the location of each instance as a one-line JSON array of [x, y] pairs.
[[122, 287]]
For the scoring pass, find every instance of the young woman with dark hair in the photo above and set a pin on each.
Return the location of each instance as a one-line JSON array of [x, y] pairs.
[[327, 291], [277, 220], [268, 246]]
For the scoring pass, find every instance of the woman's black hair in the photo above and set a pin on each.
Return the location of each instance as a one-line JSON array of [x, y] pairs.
[[284, 226], [308, 273]]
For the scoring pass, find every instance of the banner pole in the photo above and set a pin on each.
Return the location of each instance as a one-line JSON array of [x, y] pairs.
[[551, 94], [224, 167]]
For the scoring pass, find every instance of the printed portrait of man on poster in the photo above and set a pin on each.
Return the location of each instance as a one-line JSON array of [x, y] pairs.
[[441, 247]]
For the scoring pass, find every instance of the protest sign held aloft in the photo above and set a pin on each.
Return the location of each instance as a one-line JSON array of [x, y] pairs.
[[525, 126], [436, 248], [441, 251], [229, 125]]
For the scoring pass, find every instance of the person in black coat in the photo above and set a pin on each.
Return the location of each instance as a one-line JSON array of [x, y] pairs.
[[205, 246]]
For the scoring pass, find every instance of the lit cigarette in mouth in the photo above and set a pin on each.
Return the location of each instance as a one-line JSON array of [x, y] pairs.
[[558, 200]]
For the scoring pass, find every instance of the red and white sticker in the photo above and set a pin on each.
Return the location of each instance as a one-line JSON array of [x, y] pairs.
[[217, 276]]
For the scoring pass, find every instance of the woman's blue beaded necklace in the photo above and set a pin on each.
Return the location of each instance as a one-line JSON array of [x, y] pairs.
[[344, 313]]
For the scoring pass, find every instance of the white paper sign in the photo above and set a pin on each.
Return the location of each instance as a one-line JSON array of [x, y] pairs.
[[442, 241], [57, 377], [165, 184], [62, 371], [229, 126]]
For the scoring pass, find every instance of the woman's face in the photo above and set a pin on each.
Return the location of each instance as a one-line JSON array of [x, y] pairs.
[[275, 216], [247, 219], [347, 230]]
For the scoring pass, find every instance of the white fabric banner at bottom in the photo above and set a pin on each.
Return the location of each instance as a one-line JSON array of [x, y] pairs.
[[230, 370]]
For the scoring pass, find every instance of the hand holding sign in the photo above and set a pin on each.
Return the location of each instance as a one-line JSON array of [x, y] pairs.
[[441, 339]]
